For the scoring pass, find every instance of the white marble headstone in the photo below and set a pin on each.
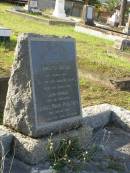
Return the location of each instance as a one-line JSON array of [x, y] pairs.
[[59, 10]]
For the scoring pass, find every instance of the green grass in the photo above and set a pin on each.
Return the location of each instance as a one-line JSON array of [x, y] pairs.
[[93, 93], [91, 54], [6, 56], [90, 50]]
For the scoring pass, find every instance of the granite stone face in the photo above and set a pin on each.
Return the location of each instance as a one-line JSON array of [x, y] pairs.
[[34, 150], [43, 94], [5, 143]]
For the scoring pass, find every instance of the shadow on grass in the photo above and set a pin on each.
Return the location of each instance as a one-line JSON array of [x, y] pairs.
[[8, 44], [4, 73], [1, 118]]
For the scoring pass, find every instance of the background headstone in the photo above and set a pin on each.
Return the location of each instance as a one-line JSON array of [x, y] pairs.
[[59, 10], [114, 19], [5, 33], [127, 27], [88, 14], [33, 4], [43, 89]]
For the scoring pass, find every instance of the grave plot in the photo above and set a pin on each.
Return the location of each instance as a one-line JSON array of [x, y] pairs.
[[43, 109], [33, 11], [92, 58]]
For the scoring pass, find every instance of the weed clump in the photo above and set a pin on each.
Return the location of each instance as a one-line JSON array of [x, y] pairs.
[[68, 154]]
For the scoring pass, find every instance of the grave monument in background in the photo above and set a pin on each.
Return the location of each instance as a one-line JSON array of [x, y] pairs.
[[114, 19], [5, 33], [32, 6], [127, 27], [59, 10], [88, 15]]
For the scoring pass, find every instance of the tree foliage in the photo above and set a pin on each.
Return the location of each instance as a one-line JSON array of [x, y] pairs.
[[94, 2], [112, 4]]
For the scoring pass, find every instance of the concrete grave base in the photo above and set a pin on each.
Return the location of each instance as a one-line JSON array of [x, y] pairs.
[[99, 31], [122, 44], [47, 18], [33, 151]]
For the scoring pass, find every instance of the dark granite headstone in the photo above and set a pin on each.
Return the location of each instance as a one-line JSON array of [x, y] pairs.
[[43, 94], [54, 79]]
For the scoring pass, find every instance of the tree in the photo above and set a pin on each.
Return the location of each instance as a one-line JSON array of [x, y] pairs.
[[93, 2], [122, 11], [112, 4]]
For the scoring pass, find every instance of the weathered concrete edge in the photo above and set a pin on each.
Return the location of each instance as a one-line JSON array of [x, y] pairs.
[[58, 22], [35, 150], [103, 30], [99, 34], [94, 117], [121, 117], [115, 114], [46, 21]]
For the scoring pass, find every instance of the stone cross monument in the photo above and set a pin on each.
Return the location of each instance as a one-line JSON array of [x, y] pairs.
[[59, 10]]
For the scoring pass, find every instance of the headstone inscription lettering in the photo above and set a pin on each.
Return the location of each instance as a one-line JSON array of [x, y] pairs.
[[54, 77], [43, 93]]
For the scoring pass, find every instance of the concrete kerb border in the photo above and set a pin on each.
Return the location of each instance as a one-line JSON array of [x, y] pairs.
[[98, 32], [49, 21], [94, 117], [104, 114]]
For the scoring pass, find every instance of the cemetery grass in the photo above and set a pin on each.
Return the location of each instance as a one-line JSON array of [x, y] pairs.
[[91, 51], [91, 54]]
